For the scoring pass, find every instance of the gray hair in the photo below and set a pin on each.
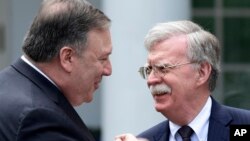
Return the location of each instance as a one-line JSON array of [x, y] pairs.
[[62, 23], [202, 45]]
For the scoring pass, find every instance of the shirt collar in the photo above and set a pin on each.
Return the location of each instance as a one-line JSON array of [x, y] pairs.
[[37, 69], [199, 124]]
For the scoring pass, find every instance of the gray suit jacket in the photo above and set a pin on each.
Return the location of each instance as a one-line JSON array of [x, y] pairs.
[[33, 109], [220, 119]]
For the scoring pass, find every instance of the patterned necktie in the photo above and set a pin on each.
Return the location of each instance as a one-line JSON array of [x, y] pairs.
[[185, 132]]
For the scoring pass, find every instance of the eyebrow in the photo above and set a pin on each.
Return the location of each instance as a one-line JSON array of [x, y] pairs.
[[159, 65], [164, 64]]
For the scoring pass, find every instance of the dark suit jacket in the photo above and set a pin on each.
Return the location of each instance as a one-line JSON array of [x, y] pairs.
[[33, 109], [220, 119]]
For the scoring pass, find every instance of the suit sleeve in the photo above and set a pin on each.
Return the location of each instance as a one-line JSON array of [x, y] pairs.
[[47, 125]]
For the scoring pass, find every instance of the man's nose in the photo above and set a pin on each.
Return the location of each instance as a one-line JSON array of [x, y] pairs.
[[107, 69]]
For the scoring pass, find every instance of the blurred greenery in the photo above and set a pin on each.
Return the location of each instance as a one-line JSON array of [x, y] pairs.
[[206, 22], [236, 3], [203, 3], [236, 89], [236, 40]]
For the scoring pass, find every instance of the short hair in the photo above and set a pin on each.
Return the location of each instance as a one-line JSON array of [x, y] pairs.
[[62, 23], [202, 45]]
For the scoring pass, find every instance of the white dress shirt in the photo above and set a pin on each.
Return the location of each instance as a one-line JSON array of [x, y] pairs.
[[38, 70], [199, 125]]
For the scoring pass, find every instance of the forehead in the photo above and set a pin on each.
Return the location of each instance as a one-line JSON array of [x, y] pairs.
[[99, 41], [169, 50]]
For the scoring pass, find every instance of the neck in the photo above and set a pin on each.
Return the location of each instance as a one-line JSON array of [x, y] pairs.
[[185, 115]]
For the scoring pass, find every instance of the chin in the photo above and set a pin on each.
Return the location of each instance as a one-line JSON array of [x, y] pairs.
[[160, 107], [89, 96], [89, 100]]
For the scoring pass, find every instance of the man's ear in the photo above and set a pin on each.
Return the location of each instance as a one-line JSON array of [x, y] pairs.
[[66, 58], [204, 73]]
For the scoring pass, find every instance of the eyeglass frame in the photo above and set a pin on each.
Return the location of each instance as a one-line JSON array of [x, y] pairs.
[[156, 68]]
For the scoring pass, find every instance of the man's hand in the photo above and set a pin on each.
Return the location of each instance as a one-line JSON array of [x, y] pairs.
[[128, 137]]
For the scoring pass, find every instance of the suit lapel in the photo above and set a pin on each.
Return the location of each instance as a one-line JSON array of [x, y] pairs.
[[163, 134], [164, 137], [218, 123]]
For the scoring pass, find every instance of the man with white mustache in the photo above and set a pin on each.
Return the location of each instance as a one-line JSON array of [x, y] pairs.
[[159, 89], [181, 72]]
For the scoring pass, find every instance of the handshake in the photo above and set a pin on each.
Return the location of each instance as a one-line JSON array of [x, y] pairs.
[[128, 137]]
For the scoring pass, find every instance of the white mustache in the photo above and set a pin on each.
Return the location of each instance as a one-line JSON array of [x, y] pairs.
[[159, 88]]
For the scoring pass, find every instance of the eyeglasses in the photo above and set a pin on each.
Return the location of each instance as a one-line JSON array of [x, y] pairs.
[[160, 70]]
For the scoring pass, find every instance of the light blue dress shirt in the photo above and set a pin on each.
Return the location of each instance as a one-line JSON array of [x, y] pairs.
[[199, 125]]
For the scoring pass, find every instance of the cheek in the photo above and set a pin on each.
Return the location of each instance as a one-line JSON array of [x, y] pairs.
[[184, 88], [185, 84], [180, 84], [96, 70]]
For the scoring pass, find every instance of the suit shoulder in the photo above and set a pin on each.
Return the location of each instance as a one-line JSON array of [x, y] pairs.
[[155, 130], [240, 115], [237, 111]]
